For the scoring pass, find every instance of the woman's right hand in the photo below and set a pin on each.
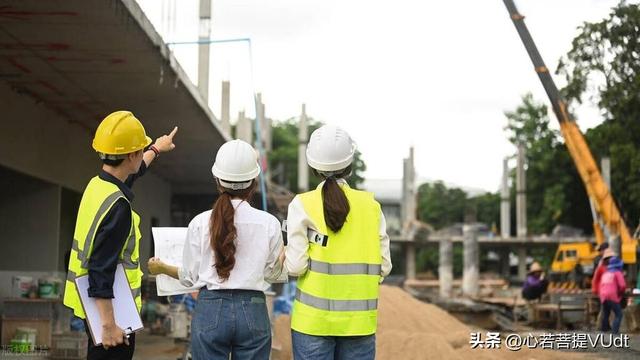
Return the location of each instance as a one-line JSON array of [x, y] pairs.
[[156, 266]]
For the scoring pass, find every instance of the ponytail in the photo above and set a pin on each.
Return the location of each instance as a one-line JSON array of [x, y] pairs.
[[222, 229], [334, 202]]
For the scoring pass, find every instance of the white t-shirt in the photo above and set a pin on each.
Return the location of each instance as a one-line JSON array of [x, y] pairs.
[[258, 245]]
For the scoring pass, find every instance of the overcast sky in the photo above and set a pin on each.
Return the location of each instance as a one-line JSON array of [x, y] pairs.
[[434, 74]]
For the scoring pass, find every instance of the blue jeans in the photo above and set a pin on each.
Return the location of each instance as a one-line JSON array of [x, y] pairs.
[[607, 307], [232, 322], [309, 347]]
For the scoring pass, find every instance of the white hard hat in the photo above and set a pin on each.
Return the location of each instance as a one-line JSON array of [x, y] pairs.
[[236, 162], [330, 149]]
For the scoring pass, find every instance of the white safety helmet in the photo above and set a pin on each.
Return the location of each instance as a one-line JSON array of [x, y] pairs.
[[330, 149], [236, 165]]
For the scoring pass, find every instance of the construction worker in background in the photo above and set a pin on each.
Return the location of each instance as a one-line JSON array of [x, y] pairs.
[[231, 253], [339, 249], [535, 284], [601, 269], [107, 228], [601, 249], [606, 255], [611, 291]]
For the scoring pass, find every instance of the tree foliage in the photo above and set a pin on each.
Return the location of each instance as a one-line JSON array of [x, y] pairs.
[[283, 159], [441, 206], [603, 66]]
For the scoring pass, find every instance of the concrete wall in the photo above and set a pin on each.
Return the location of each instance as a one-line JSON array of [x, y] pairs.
[[37, 216], [29, 222]]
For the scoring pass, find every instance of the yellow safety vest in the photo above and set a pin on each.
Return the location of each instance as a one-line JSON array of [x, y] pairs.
[[338, 295], [98, 198]]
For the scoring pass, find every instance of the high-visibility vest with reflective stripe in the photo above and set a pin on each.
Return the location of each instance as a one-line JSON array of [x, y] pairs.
[[97, 200], [338, 295]]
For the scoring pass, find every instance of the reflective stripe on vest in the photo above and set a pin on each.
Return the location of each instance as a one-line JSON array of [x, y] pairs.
[[336, 305], [88, 242], [344, 269], [127, 261]]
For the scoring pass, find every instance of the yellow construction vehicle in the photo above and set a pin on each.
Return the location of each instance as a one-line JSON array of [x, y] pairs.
[[608, 224]]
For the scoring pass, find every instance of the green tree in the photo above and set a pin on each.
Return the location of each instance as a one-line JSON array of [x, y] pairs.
[[603, 66], [440, 206], [550, 171], [283, 159]]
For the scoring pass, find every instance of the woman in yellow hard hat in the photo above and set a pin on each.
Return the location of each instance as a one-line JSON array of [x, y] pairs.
[[107, 228]]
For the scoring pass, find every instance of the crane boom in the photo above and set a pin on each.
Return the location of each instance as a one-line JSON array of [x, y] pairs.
[[605, 207]]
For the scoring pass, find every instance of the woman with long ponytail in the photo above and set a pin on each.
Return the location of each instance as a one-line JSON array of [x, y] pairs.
[[339, 249], [231, 253]]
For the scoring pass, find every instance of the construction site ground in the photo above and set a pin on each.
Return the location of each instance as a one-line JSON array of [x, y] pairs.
[[408, 329]]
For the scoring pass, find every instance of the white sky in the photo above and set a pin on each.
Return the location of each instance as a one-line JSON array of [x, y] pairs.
[[434, 74]]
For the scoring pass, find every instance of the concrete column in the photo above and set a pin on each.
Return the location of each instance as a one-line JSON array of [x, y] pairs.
[[303, 138], [445, 268], [265, 124], [244, 128], [471, 261], [522, 263], [521, 196], [614, 241], [505, 266], [203, 50], [225, 107], [410, 260], [408, 209], [505, 207]]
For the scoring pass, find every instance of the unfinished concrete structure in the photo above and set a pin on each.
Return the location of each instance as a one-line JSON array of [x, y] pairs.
[[409, 213], [83, 60], [303, 139]]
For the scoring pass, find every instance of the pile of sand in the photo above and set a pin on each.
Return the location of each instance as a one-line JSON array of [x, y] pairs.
[[410, 329]]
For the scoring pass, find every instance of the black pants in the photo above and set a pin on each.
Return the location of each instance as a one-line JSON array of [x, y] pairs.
[[120, 352]]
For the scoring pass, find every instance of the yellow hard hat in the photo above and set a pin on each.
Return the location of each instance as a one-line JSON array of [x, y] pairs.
[[120, 133]]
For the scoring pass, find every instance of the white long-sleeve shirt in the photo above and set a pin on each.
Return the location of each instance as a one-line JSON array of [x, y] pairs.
[[258, 245], [297, 257]]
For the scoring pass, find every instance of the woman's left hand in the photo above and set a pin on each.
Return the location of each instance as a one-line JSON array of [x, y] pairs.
[[156, 266]]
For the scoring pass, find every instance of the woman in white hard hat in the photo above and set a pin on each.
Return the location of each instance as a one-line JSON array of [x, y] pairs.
[[339, 249], [231, 252]]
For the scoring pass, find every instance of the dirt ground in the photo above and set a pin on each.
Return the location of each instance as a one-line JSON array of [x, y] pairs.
[[410, 329], [407, 329]]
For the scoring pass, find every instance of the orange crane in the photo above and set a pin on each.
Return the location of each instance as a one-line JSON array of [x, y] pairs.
[[607, 217]]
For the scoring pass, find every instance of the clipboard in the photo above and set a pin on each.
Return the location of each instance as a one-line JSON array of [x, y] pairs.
[[125, 310]]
